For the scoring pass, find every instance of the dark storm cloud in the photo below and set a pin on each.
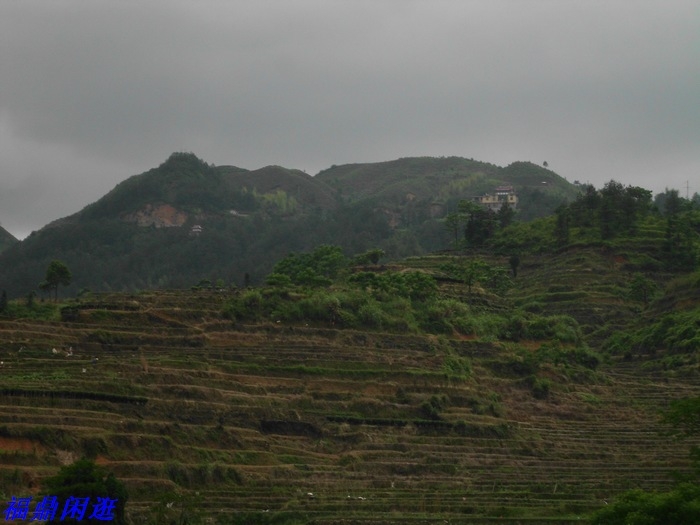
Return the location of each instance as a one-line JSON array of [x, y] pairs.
[[92, 92]]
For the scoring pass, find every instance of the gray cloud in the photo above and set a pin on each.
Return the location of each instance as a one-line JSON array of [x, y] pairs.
[[93, 92]]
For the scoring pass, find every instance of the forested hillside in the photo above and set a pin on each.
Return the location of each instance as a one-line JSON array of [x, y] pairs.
[[6, 239], [186, 220]]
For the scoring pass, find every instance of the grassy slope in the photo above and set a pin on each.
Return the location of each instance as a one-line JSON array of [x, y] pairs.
[[256, 417]]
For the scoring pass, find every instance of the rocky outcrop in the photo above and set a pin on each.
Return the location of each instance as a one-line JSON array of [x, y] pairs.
[[160, 216]]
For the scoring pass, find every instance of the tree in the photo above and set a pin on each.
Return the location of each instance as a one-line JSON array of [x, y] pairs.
[[370, 256], [3, 301], [669, 203], [56, 274], [505, 215], [317, 268], [469, 271], [620, 208], [680, 244], [453, 224], [514, 262], [561, 228], [84, 479], [641, 289], [636, 203], [585, 208], [609, 211], [481, 223], [30, 299]]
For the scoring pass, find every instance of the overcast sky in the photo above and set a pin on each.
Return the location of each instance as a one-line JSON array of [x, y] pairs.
[[92, 92]]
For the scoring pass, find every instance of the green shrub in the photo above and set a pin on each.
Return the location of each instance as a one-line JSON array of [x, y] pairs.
[[540, 387], [48, 311], [317, 268], [565, 329], [431, 408], [287, 311], [681, 506], [246, 306], [435, 321], [251, 299], [178, 474], [348, 319], [676, 331], [321, 306], [464, 325], [457, 366], [515, 328], [278, 279], [92, 446], [446, 315], [562, 328], [371, 315]]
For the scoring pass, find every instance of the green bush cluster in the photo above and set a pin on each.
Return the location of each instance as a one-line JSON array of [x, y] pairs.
[[413, 284], [489, 405], [201, 475], [457, 366], [556, 354], [342, 307], [431, 408], [521, 325], [475, 271], [317, 268], [525, 237], [31, 309], [399, 302], [677, 332], [540, 387], [680, 506]]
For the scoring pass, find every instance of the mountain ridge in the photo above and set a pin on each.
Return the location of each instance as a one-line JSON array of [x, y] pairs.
[[6, 239], [140, 234]]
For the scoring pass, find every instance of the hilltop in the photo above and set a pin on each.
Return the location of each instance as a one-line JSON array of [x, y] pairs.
[[187, 220], [422, 183]]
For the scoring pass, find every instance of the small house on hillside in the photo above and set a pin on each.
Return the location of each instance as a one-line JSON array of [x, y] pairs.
[[502, 194]]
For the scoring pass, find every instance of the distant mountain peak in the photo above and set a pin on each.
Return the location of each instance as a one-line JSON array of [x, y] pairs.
[[182, 158]]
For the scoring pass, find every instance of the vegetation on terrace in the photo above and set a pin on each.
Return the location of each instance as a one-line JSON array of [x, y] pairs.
[[447, 387]]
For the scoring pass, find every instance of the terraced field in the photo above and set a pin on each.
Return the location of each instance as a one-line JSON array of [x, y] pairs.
[[230, 423]]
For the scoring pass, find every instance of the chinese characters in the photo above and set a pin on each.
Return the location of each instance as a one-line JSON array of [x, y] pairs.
[[47, 509]]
